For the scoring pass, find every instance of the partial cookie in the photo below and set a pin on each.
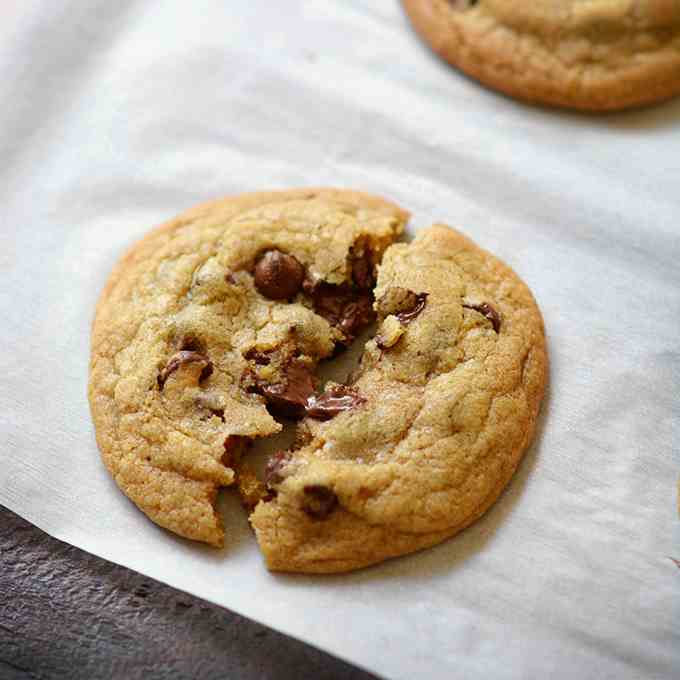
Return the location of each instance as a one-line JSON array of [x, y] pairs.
[[211, 319], [595, 55], [440, 412]]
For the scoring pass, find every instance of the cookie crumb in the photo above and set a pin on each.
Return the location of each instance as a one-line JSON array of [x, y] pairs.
[[250, 488], [390, 332]]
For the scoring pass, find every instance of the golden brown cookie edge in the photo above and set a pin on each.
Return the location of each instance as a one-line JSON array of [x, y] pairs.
[[652, 82]]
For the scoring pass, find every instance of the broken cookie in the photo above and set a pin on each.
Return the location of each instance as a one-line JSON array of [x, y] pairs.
[[213, 332]]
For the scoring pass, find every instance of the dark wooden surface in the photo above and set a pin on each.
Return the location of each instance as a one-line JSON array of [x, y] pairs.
[[67, 614]]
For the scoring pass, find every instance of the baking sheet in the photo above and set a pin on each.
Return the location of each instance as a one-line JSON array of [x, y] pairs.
[[116, 116]]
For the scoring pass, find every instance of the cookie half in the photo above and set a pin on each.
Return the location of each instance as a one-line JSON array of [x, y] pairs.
[[594, 55], [198, 332], [448, 394]]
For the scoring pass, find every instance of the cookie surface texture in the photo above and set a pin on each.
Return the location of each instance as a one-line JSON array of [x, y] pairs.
[[597, 55], [210, 330]]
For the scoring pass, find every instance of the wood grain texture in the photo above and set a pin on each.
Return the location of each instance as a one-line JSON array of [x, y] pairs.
[[67, 614]]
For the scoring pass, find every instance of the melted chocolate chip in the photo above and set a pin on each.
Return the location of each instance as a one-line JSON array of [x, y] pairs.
[[273, 473], [309, 285], [362, 270], [289, 396], [182, 358], [334, 400], [319, 501], [329, 301], [231, 453], [486, 310], [357, 315], [418, 305], [403, 303], [259, 357], [344, 307], [278, 276]]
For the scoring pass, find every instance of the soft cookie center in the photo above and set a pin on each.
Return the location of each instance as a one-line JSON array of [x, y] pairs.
[[283, 366], [289, 383]]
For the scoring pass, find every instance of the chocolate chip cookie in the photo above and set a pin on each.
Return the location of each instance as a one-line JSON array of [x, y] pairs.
[[210, 331], [594, 55]]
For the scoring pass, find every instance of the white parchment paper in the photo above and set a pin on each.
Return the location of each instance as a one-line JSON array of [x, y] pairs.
[[115, 116]]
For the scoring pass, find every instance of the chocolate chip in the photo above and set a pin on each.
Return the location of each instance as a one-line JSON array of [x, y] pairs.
[[357, 315], [273, 472], [319, 501], [408, 315], [486, 310], [259, 357], [362, 270], [348, 309], [287, 397], [309, 285], [403, 303], [182, 358], [232, 450], [278, 276], [334, 400], [329, 301]]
